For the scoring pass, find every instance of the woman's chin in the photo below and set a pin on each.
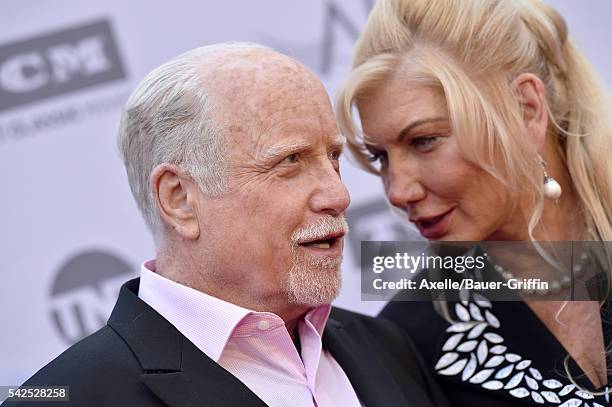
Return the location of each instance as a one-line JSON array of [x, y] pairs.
[[453, 236]]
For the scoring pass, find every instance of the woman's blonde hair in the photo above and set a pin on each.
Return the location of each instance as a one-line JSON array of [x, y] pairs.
[[473, 50]]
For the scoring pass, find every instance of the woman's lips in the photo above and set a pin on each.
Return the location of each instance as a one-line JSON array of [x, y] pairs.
[[434, 227]]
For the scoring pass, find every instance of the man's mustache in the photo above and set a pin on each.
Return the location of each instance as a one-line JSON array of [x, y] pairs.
[[324, 228]]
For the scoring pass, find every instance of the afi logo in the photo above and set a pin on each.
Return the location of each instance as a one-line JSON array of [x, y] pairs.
[[57, 63], [33, 70]]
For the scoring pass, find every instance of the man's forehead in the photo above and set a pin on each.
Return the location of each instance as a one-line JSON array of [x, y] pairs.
[[255, 74], [262, 98], [249, 86], [287, 131]]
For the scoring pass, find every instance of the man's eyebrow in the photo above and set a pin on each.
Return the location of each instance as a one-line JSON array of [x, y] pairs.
[[281, 149], [404, 132], [338, 140]]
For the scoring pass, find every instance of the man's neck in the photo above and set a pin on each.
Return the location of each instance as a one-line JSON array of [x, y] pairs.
[[291, 314]]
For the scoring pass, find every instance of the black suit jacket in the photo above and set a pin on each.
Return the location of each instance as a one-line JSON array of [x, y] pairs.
[[140, 359]]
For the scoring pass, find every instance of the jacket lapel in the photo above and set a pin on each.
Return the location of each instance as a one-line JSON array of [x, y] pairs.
[[173, 368], [375, 386]]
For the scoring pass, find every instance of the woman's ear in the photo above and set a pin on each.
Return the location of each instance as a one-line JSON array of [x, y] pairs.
[[176, 196], [532, 97]]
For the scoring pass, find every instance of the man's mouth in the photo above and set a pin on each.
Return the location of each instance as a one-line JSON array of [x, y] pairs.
[[329, 241]]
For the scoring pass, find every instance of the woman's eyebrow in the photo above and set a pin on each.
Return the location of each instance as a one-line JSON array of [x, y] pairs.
[[402, 134]]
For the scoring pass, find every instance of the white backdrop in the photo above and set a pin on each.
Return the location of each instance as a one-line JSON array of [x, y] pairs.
[[71, 233]]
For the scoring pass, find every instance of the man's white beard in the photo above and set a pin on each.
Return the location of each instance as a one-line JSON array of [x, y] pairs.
[[314, 282]]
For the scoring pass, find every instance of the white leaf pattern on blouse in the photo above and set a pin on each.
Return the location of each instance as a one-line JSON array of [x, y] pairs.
[[495, 361], [481, 300], [481, 376], [523, 364], [535, 373], [467, 346], [477, 331], [460, 327], [482, 352], [475, 312], [551, 397], [537, 398], [512, 357], [493, 337], [515, 380], [584, 395], [462, 313], [498, 349], [446, 360], [520, 393], [505, 372], [554, 384], [477, 317], [451, 343], [491, 319], [571, 403], [493, 385], [566, 390], [469, 369], [454, 369], [531, 383]]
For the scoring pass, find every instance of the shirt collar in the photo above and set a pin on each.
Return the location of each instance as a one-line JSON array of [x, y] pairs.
[[206, 321], [209, 322]]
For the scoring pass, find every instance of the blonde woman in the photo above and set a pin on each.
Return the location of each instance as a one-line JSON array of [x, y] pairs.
[[485, 123]]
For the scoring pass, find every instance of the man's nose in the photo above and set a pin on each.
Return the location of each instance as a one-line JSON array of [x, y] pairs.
[[331, 196]]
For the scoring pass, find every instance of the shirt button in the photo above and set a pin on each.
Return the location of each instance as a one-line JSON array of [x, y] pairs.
[[264, 325]]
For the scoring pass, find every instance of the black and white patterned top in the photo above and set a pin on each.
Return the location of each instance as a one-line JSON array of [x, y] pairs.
[[496, 354]]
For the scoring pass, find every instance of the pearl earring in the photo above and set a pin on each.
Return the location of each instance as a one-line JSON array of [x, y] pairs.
[[552, 189]]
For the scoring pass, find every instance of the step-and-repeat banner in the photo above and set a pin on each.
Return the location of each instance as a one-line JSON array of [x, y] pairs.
[[71, 233]]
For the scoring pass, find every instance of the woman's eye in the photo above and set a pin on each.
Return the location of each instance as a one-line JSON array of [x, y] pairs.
[[379, 157], [424, 143], [334, 155]]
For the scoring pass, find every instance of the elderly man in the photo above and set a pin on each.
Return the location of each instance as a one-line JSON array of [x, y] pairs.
[[232, 154]]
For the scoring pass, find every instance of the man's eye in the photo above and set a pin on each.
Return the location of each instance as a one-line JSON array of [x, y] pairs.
[[424, 143], [291, 159]]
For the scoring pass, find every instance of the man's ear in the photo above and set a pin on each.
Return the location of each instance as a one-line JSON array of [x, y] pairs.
[[176, 196], [533, 102]]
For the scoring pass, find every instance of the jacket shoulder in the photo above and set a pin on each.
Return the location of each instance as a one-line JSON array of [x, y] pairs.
[[394, 347], [99, 370], [100, 353], [383, 331]]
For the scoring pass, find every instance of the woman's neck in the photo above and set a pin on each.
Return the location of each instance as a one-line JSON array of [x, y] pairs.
[[561, 220]]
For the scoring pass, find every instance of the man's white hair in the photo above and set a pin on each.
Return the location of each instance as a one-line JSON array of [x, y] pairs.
[[169, 119]]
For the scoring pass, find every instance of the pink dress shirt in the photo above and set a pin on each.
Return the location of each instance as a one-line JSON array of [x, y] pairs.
[[254, 346]]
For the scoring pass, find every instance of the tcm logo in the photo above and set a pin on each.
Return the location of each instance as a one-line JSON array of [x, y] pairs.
[[84, 293], [57, 63]]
